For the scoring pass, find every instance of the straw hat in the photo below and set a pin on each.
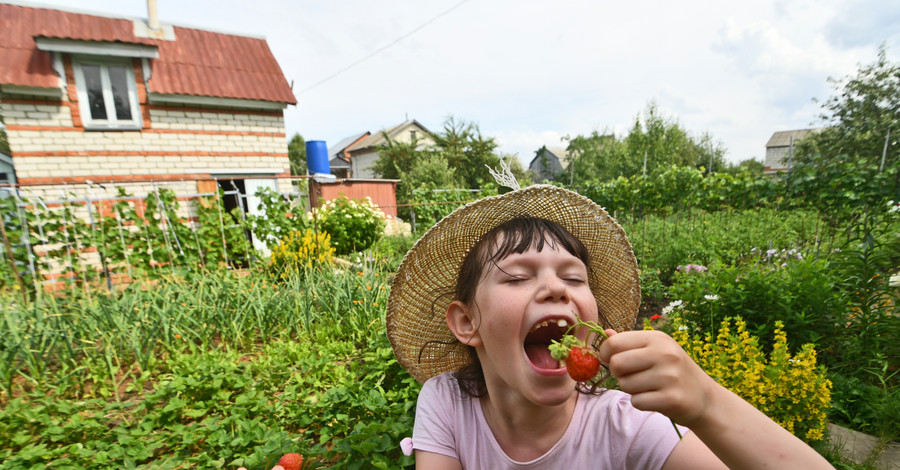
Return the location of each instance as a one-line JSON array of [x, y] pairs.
[[424, 284]]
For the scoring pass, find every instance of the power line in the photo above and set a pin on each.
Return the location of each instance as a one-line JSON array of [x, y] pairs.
[[383, 48]]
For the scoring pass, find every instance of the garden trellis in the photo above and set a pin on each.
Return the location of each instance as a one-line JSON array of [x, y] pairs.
[[91, 240]]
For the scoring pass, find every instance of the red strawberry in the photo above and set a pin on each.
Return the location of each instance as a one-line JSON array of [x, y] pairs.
[[292, 461], [582, 364]]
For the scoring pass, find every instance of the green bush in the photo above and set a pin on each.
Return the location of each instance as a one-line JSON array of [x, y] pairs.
[[388, 252], [800, 293], [676, 188], [431, 205], [280, 217], [354, 225], [864, 407], [662, 243]]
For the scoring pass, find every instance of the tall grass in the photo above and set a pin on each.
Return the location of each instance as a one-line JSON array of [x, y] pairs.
[[89, 343]]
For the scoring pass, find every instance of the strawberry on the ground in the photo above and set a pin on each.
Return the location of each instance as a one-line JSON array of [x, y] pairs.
[[582, 364], [291, 461]]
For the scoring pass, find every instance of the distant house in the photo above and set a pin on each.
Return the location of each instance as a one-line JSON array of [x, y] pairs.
[[363, 153], [88, 97], [339, 155], [548, 163], [778, 149]]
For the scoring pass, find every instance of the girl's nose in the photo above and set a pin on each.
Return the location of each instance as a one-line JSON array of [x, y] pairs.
[[554, 289]]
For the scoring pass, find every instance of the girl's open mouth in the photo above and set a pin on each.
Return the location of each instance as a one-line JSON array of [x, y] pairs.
[[538, 341]]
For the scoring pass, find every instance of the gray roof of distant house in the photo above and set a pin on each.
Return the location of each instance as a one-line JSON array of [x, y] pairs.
[[783, 138], [378, 137], [343, 144]]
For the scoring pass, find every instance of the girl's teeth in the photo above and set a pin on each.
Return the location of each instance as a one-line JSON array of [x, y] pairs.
[[562, 323]]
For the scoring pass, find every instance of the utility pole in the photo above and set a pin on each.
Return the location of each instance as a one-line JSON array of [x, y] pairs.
[[884, 152], [645, 163], [790, 162]]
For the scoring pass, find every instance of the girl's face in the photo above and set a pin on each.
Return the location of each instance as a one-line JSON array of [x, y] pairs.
[[522, 303]]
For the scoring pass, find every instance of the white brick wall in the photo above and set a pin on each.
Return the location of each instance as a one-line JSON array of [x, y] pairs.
[[223, 133]]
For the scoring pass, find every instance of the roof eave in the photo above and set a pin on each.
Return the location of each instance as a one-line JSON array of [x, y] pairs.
[[161, 98], [10, 89]]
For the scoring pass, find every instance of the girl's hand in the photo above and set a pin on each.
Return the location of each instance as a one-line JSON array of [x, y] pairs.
[[658, 374]]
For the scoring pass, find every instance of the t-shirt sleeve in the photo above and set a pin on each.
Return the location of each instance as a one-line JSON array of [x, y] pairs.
[[434, 427]]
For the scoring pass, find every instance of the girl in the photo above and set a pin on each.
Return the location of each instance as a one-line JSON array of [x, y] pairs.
[[473, 309]]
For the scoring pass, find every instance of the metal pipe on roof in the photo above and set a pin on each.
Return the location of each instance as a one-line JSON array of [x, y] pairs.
[[152, 15]]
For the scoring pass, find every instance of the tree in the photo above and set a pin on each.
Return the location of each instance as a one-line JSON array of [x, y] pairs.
[[467, 151], [297, 155], [522, 175], [663, 142], [431, 171], [841, 166], [462, 147], [654, 139], [396, 158], [862, 113], [597, 156], [750, 166]]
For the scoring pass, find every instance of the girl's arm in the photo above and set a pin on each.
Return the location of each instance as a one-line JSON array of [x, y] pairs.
[[432, 461], [661, 377]]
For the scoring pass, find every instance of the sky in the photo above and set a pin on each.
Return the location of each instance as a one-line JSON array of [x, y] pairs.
[[530, 73]]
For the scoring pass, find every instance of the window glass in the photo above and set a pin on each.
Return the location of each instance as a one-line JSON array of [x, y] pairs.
[[94, 86], [107, 93], [118, 80]]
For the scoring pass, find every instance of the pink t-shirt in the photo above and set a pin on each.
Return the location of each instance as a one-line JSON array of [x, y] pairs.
[[606, 431]]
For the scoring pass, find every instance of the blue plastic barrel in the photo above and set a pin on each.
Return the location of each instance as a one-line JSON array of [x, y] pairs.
[[317, 157]]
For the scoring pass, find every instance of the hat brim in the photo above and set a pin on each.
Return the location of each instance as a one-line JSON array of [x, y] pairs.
[[424, 284]]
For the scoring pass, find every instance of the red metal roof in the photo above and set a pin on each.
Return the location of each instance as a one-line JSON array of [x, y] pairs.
[[197, 62]]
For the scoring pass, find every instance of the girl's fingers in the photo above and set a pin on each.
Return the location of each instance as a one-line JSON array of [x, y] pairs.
[[658, 374]]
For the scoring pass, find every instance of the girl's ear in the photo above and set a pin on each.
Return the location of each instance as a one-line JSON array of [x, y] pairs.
[[461, 322]]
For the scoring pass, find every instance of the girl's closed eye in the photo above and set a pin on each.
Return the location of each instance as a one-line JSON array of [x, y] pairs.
[[515, 278]]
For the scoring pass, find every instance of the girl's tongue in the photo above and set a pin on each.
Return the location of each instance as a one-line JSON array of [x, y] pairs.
[[539, 355]]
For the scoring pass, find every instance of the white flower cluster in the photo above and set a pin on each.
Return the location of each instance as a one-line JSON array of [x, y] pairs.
[[396, 226], [711, 297], [778, 255], [672, 306], [893, 207]]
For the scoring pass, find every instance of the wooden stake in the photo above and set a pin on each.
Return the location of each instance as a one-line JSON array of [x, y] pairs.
[[12, 259]]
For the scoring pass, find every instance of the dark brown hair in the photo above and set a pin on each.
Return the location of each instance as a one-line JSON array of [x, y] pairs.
[[517, 235]]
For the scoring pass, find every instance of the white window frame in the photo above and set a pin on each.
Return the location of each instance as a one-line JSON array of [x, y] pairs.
[[84, 106]]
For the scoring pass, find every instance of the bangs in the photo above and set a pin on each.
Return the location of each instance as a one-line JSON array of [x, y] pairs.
[[515, 236], [521, 234]]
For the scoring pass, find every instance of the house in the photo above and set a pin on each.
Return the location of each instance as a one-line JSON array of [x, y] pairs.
[[92, 98], [363, 153], [779, 149], [548, 163], [339, 155]]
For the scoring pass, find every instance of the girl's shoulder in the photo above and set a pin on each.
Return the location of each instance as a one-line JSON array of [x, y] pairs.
[[443, 388], [442, 383]]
